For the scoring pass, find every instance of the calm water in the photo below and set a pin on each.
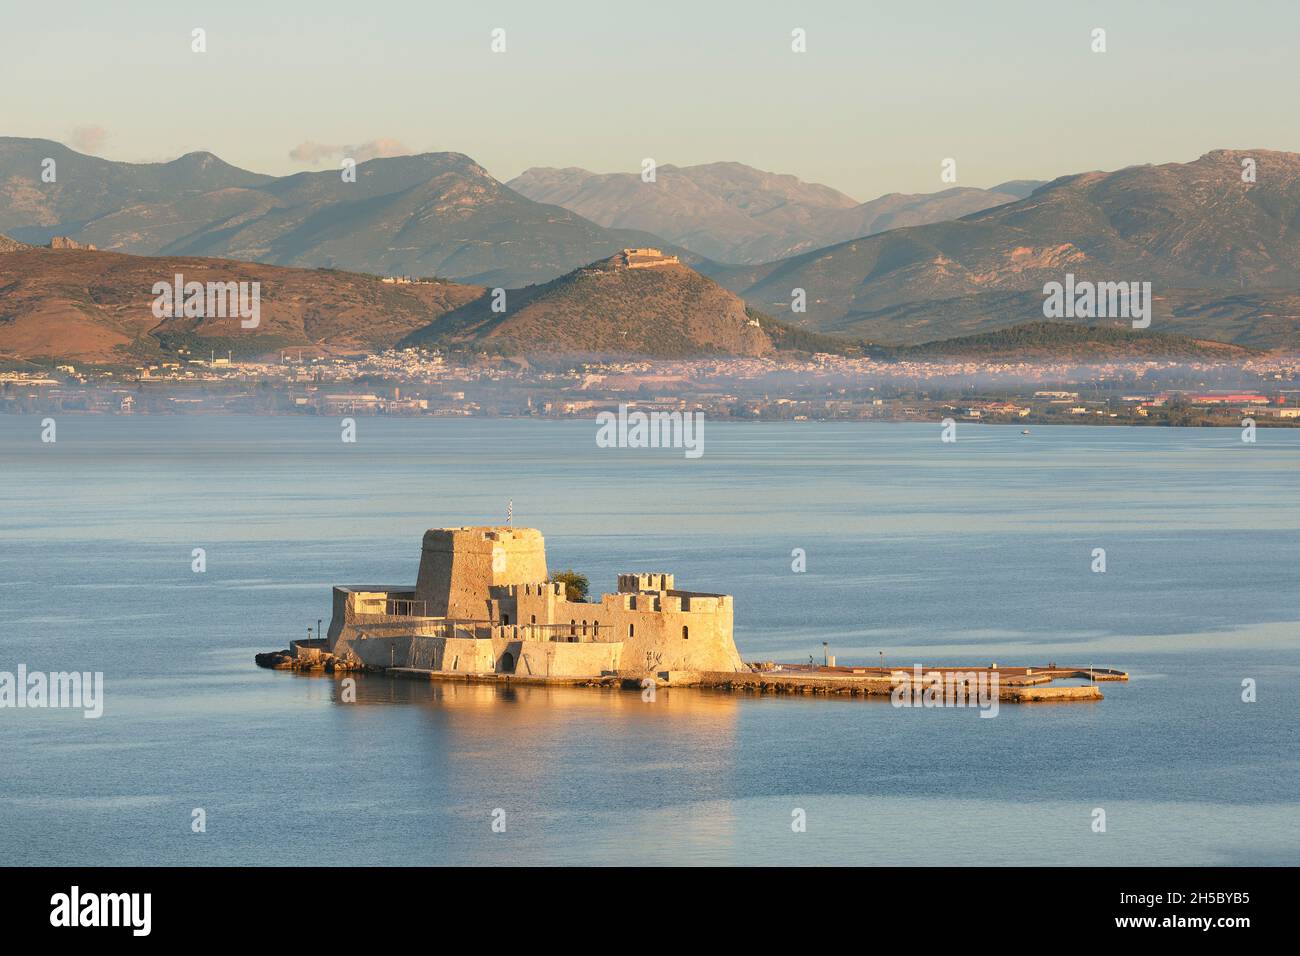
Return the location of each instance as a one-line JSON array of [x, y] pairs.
[[966, 553]]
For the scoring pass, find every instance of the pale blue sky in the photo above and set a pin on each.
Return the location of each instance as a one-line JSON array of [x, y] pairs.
[[885, 92]]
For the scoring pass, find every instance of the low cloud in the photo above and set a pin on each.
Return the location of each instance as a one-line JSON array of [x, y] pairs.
[[317, 153], [88, 139]]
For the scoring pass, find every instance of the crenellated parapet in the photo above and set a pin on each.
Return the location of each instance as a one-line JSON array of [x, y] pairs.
[[645, 581]]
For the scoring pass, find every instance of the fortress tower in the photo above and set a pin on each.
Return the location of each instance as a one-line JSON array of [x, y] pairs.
[[459, 566]]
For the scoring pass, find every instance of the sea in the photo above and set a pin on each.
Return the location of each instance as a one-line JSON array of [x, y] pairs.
[[1171, 553]]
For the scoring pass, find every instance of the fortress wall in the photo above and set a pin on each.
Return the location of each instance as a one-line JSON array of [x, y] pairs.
[[382, 651], [459, 565], [381, 640], [467, 656], [354, 608], [464, 655], [554, 659], [536, 601], [655, 641], [645, 581]]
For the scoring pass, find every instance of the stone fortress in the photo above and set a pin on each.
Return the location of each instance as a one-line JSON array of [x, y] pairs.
[[483, 603], [484, 608], [645, 258]]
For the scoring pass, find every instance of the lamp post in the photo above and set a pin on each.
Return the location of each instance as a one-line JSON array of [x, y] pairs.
[[318, 632], [882, 660]]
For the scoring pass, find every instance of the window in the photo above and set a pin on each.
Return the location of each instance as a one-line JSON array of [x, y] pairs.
[[505, 619], [573, 627], [686, 633], [532, 619], [631, 629]]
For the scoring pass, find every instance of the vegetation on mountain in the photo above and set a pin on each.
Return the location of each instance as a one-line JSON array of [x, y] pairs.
[[1222, 257]]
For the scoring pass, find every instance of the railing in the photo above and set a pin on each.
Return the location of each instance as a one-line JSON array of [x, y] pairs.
[[404, 607], [560, 633], [591, 633]]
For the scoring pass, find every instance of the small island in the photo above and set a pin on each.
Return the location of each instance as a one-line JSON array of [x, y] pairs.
[[485, 608]]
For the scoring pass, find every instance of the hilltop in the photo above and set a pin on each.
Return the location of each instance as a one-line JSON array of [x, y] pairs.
[[84, 305], [624, 305]]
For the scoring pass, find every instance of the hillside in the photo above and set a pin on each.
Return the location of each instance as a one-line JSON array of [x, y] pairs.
[[610, 309], [98, 307], [1063, 341], [731, 212], [431, 214], [1223, 257], [1264, 320]]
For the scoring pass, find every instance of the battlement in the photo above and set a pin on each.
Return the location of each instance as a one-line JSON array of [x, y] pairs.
[[645, 581], [538, 589]]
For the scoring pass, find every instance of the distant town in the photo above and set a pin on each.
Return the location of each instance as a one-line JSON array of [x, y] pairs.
[[415, 382]]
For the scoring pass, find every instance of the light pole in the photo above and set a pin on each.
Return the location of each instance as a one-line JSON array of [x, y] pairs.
[[882, 660], [318, 623]]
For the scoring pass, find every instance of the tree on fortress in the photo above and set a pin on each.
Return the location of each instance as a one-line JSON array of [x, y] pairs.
[[575, 585]]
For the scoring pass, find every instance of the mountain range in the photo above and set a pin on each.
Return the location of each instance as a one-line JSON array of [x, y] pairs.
[[734, 213], [435, 214], [1222, 256], [1221, 249]]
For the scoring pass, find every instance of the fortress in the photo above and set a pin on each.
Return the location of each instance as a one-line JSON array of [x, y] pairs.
[[483, 603], [645, 258], [484, 608]]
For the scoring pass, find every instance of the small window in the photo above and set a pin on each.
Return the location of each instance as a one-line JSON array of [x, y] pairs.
[[631, 629], [686, 633], [505, 619], [532, 619], [573, 627]]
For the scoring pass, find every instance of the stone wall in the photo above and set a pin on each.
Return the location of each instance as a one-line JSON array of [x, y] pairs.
[[458, 566], [460, 655], [665, 630]]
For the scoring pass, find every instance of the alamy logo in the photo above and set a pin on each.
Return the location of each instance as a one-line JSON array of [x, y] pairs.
[[652, 430], [1098, 300], [61, 689], [946, 689], [103, 909], [213, 300]]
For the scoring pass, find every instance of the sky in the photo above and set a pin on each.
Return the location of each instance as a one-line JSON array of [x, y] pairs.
[[884, 93]]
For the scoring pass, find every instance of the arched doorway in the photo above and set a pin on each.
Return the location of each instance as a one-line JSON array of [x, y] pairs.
[[507, 663]]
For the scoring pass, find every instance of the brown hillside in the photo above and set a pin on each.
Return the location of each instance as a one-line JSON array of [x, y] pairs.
[[665, 310], [97, 306]]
